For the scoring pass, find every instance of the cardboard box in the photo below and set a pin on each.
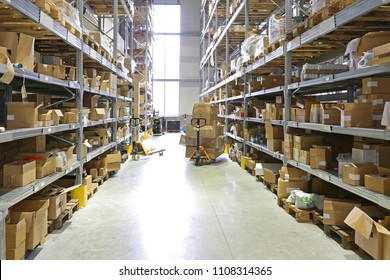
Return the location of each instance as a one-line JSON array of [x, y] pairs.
[[97, 114], [70, 73], [207, 111], [22, 115], [373, 237], [207, 131], [19, 173], [25, 52], [91, 101], [305, 142], [356, 115], [57, 201], [274, 145], [291, 173], [304, 157], [336, 210], [271, 176], [17, 253], [69, 117], [379, 182], [114, 161], [273, 132], [44, 69], [9, 40], [59, 71], [274, 167], [45, 162], [331, 116], [33, 145], [90, 72], [375, 85], [15, 234], [35, 214], [353, 173], [320, 157], [286, 186]]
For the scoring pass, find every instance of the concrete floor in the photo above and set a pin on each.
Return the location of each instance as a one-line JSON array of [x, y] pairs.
[[165, 208]]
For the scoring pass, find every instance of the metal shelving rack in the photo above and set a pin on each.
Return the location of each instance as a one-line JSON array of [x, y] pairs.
[[351, 23], [42, 83], [143, 54]]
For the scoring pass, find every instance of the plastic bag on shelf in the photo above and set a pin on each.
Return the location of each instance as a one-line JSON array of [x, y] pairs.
[[69, 13], [276, 28], [317, 5], [248, 47]]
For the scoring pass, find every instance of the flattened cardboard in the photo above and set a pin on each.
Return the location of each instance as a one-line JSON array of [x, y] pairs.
[[25, 52]]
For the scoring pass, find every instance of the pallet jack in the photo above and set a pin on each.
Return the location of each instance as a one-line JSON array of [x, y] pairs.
[[138, 148], [200, 154]]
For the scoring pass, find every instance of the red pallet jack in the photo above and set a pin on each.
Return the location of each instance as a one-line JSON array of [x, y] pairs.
[[200, 155]]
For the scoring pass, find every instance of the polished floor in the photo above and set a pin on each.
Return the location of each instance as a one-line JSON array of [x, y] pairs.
[[165, 208]]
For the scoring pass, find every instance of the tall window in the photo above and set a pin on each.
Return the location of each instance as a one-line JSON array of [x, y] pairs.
[[166, 57]]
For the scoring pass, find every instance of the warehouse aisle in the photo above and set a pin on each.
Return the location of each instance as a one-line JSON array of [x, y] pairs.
[[165, 208]]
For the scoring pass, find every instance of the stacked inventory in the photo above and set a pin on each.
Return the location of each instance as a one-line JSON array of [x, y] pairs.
[[329, 99], [66, 103], [210, 134]]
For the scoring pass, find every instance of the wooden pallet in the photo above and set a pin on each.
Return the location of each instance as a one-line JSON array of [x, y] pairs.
[[72, 206], [250, 171], [272, 187], [345, 237], [91, 192], [316, 217], [98, 180], [301, 216], [43, 5]]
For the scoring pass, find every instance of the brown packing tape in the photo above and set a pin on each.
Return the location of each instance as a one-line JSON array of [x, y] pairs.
[[9, 72]]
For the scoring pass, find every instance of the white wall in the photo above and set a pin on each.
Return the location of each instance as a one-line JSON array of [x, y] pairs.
[[189, 55]]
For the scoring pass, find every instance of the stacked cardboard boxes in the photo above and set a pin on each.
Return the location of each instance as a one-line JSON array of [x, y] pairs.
[[292, 179], [211, 135], [15, 236], [274, 135], [302, 145]]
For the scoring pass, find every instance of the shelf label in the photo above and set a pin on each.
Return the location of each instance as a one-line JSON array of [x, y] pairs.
[[72, 39], [46, 21]]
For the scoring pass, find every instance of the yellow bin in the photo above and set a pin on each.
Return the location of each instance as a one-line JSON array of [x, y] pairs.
[[243, 162], [227, 147], [146, 135], [81, 194]]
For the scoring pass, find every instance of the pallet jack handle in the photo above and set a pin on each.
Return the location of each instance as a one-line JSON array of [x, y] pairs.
[[198, 123]]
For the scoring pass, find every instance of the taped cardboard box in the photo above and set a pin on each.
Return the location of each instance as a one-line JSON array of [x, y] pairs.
[[320, 157], [286, 186], [45, 162], [22, 115], [97, 114], [207, 131], [15, 234], [25, 52], [35, 214], [57, 201], [59, 71], [370, 235], [305, 142], [356, 115], [378, 182], [353, 173], [9, 40], [17, 253], [273, 132], [288, 173], [330, 116], [44, 69], [207, 111], [19, 173], [114, 161], [274, 145], [336, 210], [375, 85]]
